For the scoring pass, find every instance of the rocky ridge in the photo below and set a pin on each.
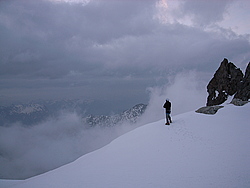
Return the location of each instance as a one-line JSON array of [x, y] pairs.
[[228, 80], [243, 92], [225, 82], [130, 116]]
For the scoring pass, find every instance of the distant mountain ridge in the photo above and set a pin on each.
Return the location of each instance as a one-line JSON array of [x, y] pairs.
[[130, 116], [26, 114], [33, 113]]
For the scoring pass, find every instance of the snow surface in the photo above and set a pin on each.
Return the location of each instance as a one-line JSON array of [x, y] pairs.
[[197, 150]]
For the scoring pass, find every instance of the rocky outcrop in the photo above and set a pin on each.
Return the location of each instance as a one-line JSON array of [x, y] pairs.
[[243, 92], [238, 102], [209, 109], [227, 81]]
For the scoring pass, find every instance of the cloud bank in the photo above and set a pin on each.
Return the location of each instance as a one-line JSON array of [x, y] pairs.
[[28, 151]]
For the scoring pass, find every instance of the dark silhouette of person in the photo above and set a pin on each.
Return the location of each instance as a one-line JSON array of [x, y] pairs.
[[167, 107]]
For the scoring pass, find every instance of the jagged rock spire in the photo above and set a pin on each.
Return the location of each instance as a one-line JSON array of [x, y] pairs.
[[244, 90], [226, 81]]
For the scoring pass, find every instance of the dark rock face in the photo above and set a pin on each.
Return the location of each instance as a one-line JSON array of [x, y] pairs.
[[238, 102], [226, 81], [209, 109], [243, 92]]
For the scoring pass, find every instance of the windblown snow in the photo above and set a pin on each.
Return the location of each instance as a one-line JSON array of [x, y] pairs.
[[197, 150]]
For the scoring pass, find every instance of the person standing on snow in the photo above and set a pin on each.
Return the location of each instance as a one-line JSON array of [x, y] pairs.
[[167, 107]]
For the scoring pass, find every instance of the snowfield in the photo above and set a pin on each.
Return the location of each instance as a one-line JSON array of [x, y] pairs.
[[197, 150]]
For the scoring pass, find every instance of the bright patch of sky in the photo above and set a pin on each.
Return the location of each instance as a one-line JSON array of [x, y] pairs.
[[235, 16], [169, 13], [83, 2]]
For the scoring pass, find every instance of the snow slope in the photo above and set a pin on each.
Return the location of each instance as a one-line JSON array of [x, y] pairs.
[[197, 150]]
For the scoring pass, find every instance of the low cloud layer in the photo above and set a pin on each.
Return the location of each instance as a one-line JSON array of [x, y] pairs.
[[28, 151]]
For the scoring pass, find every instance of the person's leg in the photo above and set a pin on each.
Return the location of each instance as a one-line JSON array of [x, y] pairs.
[[167, 119]]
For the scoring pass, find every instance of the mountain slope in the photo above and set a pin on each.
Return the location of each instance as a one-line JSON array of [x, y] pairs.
[[197, 150]]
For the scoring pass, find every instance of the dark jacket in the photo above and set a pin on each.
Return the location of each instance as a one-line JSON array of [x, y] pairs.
[[167, 106]]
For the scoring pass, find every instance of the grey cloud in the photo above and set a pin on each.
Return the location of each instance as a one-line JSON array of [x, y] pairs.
[[205, 12], [90, 49], [63, 36], [172, 47]]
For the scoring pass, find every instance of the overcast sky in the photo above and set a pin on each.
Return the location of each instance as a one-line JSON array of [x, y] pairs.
[[114, 50]]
